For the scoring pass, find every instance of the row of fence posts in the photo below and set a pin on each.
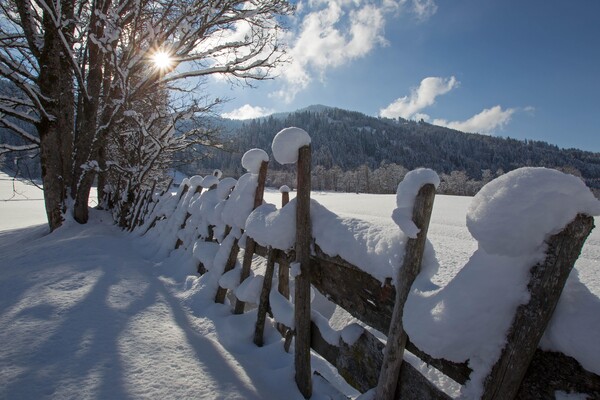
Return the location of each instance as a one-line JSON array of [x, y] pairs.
[[393, 379]]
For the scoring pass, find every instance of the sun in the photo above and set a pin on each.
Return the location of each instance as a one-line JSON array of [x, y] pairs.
[[162, 60]]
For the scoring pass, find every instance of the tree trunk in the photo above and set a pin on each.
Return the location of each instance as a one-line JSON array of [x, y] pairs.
[[88, 139], [56, 128]]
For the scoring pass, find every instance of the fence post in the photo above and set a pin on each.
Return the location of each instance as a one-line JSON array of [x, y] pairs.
[[250, 244], [284, 267], [545, 286], [263, 305], [229, 265], [302, 283], [411, 266]]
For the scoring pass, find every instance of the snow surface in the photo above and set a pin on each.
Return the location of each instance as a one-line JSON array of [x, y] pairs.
[[241, 201], [286, 144], [84, 314], [90, 312]]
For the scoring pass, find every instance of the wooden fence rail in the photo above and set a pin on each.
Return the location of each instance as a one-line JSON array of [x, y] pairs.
[[522, 370]]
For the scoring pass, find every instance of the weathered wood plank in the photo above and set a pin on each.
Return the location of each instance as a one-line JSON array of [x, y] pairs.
[[263, 305], [229, 265], [359, 365], [283, 285], [365, 298], [459, 372], [545, 287], [416, 387], [285, 198], [411, 267], [246, 268], [250, 244], [303, 374], [551, 371]]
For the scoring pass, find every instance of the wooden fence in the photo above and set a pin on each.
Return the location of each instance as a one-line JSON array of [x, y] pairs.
[[522, 371]]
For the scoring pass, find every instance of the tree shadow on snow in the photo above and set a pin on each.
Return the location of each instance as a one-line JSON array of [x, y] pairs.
[[91, 332]]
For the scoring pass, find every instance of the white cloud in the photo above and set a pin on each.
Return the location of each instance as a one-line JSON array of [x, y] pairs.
[[420, 98], [424, 9], [248, 112], [487, 121], [333, 33]]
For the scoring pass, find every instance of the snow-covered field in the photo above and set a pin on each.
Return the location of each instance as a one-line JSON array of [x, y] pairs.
[[86, 313]]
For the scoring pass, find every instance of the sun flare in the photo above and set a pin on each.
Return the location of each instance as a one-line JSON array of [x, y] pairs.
[[162, 60]]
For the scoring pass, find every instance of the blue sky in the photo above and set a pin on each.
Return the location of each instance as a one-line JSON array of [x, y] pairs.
[[527, 69]]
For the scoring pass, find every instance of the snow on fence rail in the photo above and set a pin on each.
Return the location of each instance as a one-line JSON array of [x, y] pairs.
[[526, 250]]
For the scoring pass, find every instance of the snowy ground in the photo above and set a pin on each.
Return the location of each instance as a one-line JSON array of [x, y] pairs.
[[86, 313]]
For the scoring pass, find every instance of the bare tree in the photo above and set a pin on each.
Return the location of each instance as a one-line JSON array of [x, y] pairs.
[[83, 67]]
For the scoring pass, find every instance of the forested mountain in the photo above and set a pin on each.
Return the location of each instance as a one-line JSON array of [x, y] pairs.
[[354, 152], [350, 142]]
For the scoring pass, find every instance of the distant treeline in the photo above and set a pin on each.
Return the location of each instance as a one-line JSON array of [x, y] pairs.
[[353, 152]]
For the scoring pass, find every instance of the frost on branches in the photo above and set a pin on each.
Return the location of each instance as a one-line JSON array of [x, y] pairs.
[[83, 75]]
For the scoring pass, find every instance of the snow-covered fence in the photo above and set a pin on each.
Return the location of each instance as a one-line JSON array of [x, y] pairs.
[[537, 249]]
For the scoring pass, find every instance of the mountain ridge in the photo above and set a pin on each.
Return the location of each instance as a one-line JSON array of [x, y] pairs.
[[349, 139]]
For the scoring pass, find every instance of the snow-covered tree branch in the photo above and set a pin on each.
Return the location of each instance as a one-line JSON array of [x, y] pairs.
[[81, 75]]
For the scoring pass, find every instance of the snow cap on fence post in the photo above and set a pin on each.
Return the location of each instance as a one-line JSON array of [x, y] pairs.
[[285, 195], [513, 214], [209, 181], [224, 187], [286, 144], [405, 198], [290, 146], [253, 158]]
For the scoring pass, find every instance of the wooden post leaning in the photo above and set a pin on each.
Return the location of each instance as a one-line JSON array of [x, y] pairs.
[[302, 318], [283, 285], [284, 267], [250, 244], [263, 305], [411, 266], [547, 280]]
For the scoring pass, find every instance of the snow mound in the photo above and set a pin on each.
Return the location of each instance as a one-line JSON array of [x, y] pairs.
[[209, 181], [269, 226], [195, 181], [405, 198], [224, 187], [253, 158], [286, 144], [513, 214], [377, 250], [283, 310], [241, 201], [285, 189]]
